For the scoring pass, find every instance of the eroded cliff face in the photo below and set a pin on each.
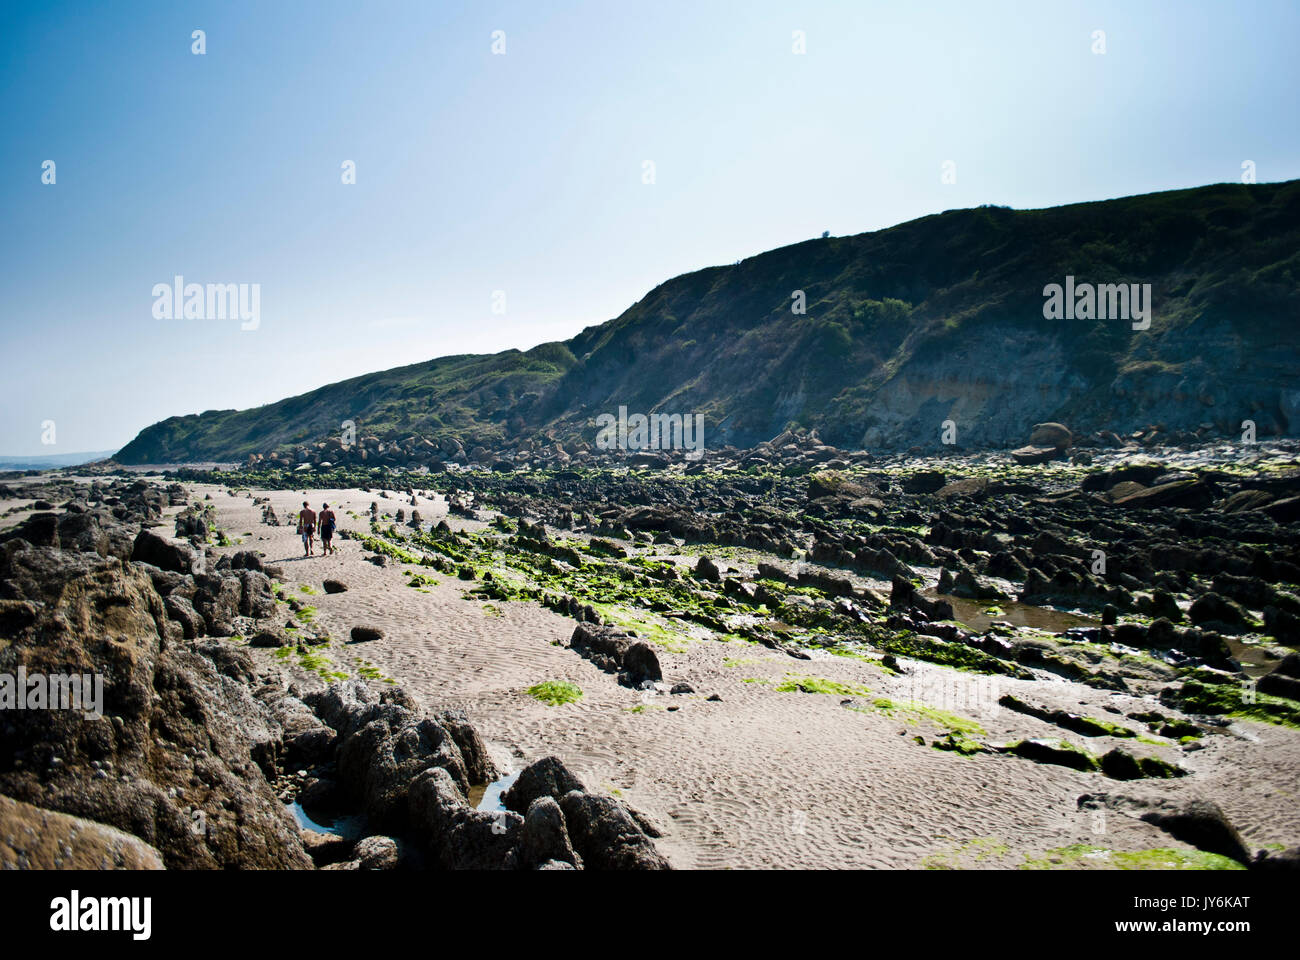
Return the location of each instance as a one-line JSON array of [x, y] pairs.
[[1192, 377], [989, 387]]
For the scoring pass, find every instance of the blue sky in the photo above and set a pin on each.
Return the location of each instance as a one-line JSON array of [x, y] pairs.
[[523, 172]]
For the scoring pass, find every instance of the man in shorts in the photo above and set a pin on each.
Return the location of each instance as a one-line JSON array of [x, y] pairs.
[[307, 527], [327, 529]]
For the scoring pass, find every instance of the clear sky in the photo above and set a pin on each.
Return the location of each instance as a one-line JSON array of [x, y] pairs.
[[523, 172]]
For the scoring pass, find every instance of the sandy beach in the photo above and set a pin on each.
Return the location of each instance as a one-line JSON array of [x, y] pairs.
[[759, 777]]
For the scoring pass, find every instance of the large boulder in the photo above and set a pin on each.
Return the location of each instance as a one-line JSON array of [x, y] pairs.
[[1212, 608], [176, 752], [1055, 435], [615, 652], [457, 837], [478, 765], [1178, 493], [256, 597], [378, 762], [605, 835], [306, 740], [217, 599], [1035, 454], [182, 612], [165, 554], [547, 777], [545, 837], [1197, 822], [36, 839]]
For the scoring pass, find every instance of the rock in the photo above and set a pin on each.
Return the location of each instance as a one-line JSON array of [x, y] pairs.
[[1288, 859], [218, 599], [256, 598], [366, 634], [377, 853], [270, 638], [544, 836], [228, 660], [1077, 723], [150, 548], [1180, 493], [434, 804], [966, 487], [1216, 609], [182, 611], [169, 716], [326, 848], [1046, 751], [1124, 490], [1031, 455], [706, 569], [682, 688], [246, 560], [306, 740], [479, 767], [378, 763], [1244, 500], [345, 707], [1282, 625], [924, 481], [1279, 685], [35, 839], [1054, 435], [547, 777], [1202, 824], [615, 652], [1196, 822], [319, 794], [335, 586], [1121, 765], [1284, 511], [831, 483], [606, 836], [457, 837], [483, 840]]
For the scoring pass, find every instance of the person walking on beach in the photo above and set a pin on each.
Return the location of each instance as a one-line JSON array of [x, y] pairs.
[[327, 529], [307, 527]]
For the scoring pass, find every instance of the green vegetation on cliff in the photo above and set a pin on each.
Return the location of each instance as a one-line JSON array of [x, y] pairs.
[[903, 327]]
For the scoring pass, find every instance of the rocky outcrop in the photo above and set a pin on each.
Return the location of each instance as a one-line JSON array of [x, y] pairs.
[[178, 756], [32, 838], [614, 651], [1196, 822]]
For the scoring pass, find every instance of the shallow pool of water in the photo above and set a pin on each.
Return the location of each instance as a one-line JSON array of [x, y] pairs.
[[972, 613], [1254, 659], [349, 827], [488, 796]]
